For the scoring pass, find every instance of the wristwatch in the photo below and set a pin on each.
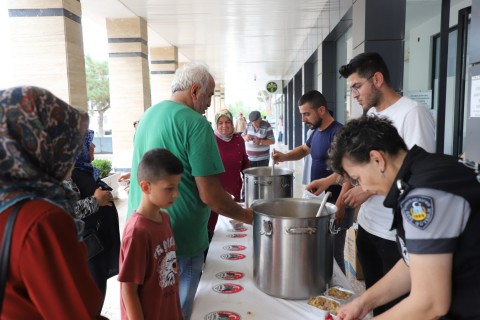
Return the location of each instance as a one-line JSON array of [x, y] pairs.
[[260, 143]]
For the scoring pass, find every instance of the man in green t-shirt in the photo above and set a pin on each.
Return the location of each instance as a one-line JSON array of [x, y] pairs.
[[178, 125]]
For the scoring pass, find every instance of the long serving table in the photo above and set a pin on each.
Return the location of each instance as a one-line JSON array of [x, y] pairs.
[[227, 288]]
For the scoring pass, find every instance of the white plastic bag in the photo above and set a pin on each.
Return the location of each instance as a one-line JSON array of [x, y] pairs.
[[308, 195]]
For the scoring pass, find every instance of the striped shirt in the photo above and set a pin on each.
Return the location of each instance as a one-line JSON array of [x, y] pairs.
[[264, 132]]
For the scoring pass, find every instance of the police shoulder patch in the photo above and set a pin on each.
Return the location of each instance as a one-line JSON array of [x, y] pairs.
[[418, 211]]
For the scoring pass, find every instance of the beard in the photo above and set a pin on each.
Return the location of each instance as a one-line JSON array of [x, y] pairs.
[[315, 125], [373, 100]]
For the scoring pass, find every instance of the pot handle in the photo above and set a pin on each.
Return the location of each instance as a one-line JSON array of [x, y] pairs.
[[301, 230], [332, 228], [267, 227], [262, 183], [285, 183]]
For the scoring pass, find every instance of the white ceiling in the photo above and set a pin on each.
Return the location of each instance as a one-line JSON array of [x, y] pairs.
[[245, 42]]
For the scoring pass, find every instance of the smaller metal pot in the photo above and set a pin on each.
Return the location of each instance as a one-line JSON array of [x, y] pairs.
[[260, 183]]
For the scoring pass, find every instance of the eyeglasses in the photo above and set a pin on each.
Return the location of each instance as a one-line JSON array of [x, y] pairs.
[[356, 89]]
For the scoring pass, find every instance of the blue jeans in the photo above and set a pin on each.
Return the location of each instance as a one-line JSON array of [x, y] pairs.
[[190, 270]]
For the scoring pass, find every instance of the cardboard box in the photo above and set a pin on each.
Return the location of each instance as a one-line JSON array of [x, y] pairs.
[[352, 265]]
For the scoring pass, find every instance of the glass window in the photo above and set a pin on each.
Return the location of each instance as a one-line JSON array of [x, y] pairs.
[[421, 63], [452, 71]]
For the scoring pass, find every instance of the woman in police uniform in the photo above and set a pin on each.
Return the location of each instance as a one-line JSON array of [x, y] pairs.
[[436, 207]]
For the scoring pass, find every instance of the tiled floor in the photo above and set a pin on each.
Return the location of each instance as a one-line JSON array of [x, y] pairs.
[[111, 308]]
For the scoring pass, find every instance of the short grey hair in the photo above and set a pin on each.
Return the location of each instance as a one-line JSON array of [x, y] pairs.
[[189, 74]]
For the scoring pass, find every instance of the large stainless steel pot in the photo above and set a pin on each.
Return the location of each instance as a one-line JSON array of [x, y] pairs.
[[261, 184], [293, 250]]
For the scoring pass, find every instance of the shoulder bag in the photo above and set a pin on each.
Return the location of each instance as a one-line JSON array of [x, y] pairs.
[[92, 240], [93, 243], [5, 249]]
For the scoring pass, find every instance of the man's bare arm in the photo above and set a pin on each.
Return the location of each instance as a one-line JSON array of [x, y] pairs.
[[213, 195]]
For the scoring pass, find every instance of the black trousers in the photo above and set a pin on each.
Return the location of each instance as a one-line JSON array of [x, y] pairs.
[[261, 163], [339, 245], [377, 256]]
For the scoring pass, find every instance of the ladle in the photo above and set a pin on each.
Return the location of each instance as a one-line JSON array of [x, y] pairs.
[[322, 205]]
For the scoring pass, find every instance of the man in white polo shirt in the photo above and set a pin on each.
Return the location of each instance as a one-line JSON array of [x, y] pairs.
[[369, 80]]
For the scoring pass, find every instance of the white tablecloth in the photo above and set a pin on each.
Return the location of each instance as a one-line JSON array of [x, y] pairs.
[[249, 302]]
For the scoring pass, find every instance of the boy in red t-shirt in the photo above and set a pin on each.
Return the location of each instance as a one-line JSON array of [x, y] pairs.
[[148, 264]]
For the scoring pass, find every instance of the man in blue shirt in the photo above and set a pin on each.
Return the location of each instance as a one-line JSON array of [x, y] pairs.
[[313, 107]]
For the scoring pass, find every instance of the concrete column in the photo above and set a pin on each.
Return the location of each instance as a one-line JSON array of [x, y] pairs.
[[217, 99], [129, 83], [217, 104], [46, 47], [214, 105], [370, 34], [163, 63], [222, 98]]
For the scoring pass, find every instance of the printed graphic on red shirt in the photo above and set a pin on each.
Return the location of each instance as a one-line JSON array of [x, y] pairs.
[[166, 261], [227, 288]]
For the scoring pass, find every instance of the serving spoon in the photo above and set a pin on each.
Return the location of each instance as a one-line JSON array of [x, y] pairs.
[[322, 205]]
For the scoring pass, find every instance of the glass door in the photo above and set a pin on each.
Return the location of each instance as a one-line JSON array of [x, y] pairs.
[[456, 89], [456, 94]]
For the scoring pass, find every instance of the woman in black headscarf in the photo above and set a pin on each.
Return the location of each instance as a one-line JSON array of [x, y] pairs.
[[47, 277], [101, 234]]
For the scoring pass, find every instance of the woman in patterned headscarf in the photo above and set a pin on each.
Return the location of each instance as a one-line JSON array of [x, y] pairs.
[[102, 232], [234, 157], [48, 278], [102, 196]]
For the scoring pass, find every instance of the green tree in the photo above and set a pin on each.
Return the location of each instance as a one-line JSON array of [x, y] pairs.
[[265, 98], [98, 91], [237, 107]]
